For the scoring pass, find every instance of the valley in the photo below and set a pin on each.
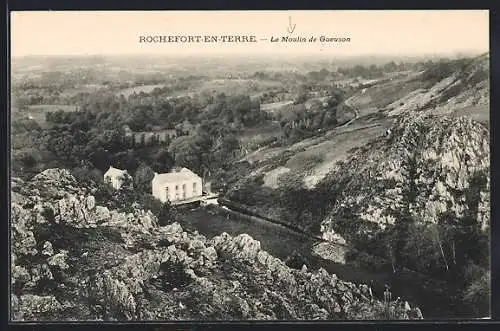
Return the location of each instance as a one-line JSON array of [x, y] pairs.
[[385, 167]]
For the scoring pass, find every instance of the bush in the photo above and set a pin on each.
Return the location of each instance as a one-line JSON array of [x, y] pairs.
[[477, 295]]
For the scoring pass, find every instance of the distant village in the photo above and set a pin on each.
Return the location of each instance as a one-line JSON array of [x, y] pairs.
[[180, 186]]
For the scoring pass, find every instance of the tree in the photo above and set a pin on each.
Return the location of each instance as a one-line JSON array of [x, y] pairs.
[[163, 161], [127, 183], [192, 152], [143, 177]]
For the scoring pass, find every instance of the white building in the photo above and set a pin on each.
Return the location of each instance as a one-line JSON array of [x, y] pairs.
[[116, 177], [177, 185]]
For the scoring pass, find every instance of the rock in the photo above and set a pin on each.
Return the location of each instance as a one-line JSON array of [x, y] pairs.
[[249, 248], [101, 214], [247, 283], [172, 228], [46, 273], [20, 274], [322, 272], [221, 241], [196, 245], [449, 153], [60, 176], [33, 304], [190, 272], [415, 313], [24, 242], [263, 257], [210, 253], [59, 260], [47, 249], [90, 202], [330, 252]]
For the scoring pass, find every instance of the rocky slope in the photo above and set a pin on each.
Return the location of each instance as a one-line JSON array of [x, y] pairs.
[[74, 260], [445, 160], [464, 91]]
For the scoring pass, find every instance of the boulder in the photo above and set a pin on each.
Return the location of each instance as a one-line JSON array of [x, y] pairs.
[[210, 253], [59, 260], [47, 249]]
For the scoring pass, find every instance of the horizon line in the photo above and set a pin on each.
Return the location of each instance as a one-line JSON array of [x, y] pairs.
[[266, 54]]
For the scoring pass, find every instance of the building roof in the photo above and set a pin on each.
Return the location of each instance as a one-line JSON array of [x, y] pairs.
[[115, 172], [186, 170], [172, 177]]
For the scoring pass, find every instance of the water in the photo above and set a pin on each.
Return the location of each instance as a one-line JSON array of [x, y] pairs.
[[430, 296]]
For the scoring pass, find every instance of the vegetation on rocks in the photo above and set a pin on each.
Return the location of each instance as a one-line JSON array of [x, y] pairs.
[[73, 259]]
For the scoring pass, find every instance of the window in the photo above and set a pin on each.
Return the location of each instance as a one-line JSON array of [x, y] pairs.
[[184, 191], [194, 188], [166, 192], [176, 187]]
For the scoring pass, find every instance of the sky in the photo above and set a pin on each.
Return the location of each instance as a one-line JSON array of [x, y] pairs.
[[381, 32]]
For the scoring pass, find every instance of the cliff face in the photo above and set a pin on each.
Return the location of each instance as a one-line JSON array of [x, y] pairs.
[[74, 260], [444, 162]]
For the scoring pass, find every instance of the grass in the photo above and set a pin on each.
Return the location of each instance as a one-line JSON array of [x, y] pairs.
[[313, 158], [478, 113], [260, 133], [384, 94]]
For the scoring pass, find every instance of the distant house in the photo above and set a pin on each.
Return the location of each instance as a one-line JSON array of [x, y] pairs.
[[128, 131], [116, 177], [186, 127], [177, 185], [147, 137]]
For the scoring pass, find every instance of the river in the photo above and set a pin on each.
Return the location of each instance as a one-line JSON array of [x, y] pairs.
[[430, 296]]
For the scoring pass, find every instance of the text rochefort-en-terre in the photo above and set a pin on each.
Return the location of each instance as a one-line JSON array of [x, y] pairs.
[[197, 39]]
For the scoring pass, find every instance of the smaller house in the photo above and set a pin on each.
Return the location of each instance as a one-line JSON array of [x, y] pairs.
[[116, 177]]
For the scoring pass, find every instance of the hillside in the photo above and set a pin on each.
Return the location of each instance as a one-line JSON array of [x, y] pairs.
[[444, 160], [455, 88], [72, 259], [454, 92], [407, 180]]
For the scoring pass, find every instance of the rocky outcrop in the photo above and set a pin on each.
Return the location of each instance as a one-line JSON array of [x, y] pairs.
[[444, 160], [75, 260], [55, 197], [330, 252]]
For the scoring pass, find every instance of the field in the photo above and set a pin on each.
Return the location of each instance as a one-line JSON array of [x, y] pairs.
[[260, 133], [275, 106], [237, 86], [313, 158], [38, 112], [138, 89], [384, 94], [213, 86]]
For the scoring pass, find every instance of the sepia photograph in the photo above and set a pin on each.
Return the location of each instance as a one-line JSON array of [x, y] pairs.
[[249, 165]]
